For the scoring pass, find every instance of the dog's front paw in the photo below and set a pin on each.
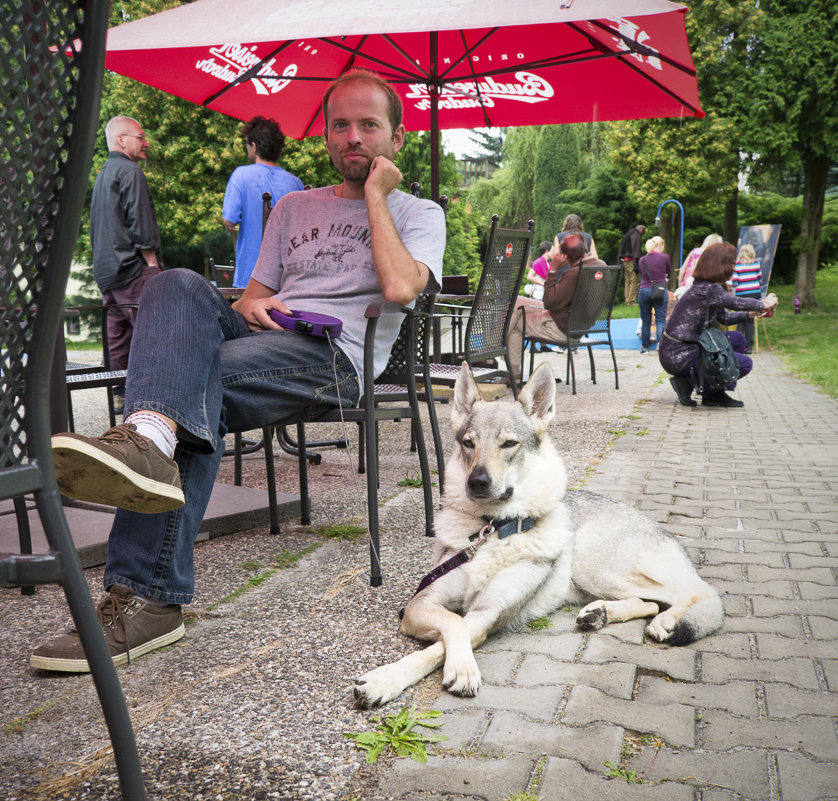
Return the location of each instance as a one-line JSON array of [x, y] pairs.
[[377, 687], [661, 627], [592, 617], [462, 679]]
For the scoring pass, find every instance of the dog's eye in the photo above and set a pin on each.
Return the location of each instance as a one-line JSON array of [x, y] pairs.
[[467, 443], [510, 443]]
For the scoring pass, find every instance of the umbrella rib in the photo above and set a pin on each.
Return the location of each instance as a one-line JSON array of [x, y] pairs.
[[635, 46], [403, 73], [253, 72], [468, 51], [476, 84], [399, 49]]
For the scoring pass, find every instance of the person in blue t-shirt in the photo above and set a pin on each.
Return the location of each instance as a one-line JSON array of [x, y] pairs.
[[263, 141]]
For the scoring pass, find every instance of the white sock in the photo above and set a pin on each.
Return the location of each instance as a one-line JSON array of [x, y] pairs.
[[156, 429]]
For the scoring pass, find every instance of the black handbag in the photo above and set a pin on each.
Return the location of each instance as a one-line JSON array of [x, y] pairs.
[[658, 288], [717, 367]]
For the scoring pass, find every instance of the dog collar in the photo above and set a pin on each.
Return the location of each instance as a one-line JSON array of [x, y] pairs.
[[506, 527], [503, 528]]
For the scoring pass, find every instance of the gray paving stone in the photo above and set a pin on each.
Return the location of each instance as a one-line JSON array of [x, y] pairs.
[[730, 643], [823, 628], [675, 723], [788, 625], [509, 733], [717, 669], [803, 779], [741, 771], [818, 592], [808, 734], [713, 556], [561, 645], [461, 727], [768, 607], [830, 669], [489, 779], [497, 667], [676, 662], [815, 575], [616, 678], [774, 589], [801, 547], [738, 697], [790, 702], [566, 779], [537, 703], [772, 646]]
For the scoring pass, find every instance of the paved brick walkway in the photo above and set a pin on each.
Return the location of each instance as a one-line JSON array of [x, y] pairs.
[[750, 713]]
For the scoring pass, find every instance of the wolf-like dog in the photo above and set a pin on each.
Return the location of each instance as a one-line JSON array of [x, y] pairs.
[[524, 546]]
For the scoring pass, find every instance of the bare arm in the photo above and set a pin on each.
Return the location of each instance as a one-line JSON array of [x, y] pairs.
[[400, 276]]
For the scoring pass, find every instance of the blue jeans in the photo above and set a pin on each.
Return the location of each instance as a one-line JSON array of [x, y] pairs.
[[194, 359], [644, 301]]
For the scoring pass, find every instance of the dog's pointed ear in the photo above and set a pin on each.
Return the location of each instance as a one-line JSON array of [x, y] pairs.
[[538, 397], [466, 395]]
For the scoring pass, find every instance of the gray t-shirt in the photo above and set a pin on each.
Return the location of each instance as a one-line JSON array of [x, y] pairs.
[[316, 254]]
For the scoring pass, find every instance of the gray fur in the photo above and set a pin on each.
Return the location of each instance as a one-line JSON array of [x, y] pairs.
[[584, 548]]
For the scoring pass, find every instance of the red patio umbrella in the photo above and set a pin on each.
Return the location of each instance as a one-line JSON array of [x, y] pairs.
[[455, 63]]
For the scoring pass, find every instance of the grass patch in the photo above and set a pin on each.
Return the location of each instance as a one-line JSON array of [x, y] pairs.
[[808, 342], [17, 726], [285, 559], [397, 735], [540, 623], [411, 480], [346, 532]]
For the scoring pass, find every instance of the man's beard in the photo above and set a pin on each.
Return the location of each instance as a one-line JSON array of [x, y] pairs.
[[357, 173]]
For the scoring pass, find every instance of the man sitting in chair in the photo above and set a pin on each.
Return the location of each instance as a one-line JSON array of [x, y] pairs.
[[219, 368], [559, 286]]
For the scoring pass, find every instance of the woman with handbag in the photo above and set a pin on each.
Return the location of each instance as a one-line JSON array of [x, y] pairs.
[[707, 302], [655, 269]]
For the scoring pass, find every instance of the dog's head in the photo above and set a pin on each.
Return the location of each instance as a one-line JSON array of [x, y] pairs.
[[502, 445]]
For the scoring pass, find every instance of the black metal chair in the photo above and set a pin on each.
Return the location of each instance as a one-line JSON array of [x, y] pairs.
[[396, 385], [589, 320], [85, 376], [490, 314], [49, 101]]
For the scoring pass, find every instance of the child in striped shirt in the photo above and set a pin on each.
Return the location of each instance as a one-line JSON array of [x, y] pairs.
[[746, 282]]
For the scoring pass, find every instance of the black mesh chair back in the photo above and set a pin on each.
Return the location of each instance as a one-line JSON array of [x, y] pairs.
[[487, 329], [53, 58], [490, 314], [589, 319]]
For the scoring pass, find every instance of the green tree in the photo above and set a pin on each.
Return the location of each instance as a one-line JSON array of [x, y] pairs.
[[791, 118], [558, 157], [414, 161]]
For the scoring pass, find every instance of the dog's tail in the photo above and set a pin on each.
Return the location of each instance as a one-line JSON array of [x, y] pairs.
[[703, 615]]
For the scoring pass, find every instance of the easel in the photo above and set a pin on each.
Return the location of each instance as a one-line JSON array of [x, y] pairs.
[[757, 321]]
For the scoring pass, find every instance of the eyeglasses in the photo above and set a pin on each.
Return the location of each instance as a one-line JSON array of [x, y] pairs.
[[138, 136]]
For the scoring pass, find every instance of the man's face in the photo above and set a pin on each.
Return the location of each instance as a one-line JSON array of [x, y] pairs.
[[359, 129], [132, 142]]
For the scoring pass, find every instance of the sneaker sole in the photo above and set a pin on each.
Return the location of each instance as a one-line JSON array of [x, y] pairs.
[[81, 666], [86, 473]]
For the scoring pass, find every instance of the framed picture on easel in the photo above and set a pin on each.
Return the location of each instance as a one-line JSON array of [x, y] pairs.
[[763, 239]]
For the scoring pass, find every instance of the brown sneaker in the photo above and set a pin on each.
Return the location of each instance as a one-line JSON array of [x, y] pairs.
[[120, 468], [132, 627]]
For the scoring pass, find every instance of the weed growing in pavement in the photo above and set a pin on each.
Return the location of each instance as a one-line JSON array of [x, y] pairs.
[[627, 775], [396, 735], [286, 559], [17, 726], [540, 623], [522, 797], [642, 433], [345, 532], [411, 480]]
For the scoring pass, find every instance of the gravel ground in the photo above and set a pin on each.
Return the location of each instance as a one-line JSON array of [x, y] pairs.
[[254, 702]]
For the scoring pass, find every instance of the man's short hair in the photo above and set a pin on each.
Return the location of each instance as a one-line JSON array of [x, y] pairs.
[[116, 127], [573, 246], [395, 112], [266, 134]]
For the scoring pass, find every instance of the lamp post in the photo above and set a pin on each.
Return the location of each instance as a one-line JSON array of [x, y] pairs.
[[657, 223]]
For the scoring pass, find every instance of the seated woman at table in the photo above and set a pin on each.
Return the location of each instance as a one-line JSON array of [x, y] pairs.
[[534, 288], [678, 348]]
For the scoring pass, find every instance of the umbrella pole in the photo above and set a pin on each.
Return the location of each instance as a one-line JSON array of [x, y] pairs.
[[433, 90]]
